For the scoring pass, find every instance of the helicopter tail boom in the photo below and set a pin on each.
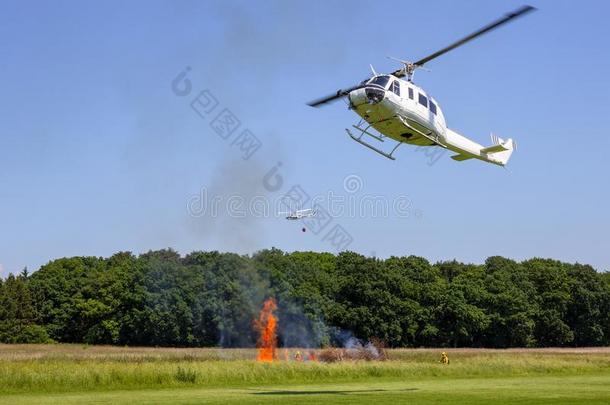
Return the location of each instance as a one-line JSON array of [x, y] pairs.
[[498, 153]]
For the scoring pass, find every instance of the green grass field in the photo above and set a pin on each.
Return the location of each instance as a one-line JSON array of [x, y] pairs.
[[65, 374]]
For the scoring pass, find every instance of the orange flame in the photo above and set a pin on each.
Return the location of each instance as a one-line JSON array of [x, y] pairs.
[[266, 324]]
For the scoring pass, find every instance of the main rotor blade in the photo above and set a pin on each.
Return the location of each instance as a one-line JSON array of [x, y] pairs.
[[340, 93], [508, 17]]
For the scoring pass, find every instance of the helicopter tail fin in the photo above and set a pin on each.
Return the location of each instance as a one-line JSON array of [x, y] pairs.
[[500, 150]]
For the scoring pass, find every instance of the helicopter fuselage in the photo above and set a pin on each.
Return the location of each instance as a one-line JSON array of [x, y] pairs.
[[400, 110]]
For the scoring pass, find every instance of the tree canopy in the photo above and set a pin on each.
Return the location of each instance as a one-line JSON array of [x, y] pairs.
[[210, 299]]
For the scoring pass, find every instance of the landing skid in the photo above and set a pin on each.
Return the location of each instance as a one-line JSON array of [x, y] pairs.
[[380, 138]]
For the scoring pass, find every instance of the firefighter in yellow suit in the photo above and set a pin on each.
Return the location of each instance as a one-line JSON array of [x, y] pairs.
[[444, 358]]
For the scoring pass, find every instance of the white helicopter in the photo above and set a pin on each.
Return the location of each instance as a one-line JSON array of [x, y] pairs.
[[299, 214], [394, 108]]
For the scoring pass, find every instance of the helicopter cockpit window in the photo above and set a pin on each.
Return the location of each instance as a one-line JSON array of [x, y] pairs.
[[410, 93], [433, 107], [395, 87], [380, 81], [423, 100]]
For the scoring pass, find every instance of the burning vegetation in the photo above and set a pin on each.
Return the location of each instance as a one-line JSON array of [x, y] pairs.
[[373, 350], [266, 325]]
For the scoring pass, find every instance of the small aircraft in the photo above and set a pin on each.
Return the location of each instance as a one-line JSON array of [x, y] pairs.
[[393, 108], [300, 214]]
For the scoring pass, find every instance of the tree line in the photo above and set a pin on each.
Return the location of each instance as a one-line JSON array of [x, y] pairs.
[[211, 299]]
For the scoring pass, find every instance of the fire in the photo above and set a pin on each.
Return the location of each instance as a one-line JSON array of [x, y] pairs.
[[266, 324]]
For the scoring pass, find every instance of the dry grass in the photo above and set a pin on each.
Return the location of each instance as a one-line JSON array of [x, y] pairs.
[[71, 368], [76, 352]]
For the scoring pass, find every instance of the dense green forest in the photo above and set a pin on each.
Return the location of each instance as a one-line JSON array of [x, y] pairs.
[[210, 299]]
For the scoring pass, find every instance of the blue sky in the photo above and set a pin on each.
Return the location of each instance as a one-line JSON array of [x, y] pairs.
[[99, 155]]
